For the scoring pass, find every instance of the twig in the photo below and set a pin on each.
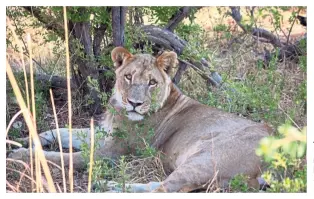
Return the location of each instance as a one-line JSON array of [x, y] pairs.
[[212, 181], [201, 73], [289, 117], [11, 186], [22, 58], [236, 15], [286, 36], [175, 19], [21, 173], [36, 62], [295, 18], [27, 51]]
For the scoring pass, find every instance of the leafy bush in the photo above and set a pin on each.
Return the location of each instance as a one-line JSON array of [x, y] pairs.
[[239, 183], [285, 154]]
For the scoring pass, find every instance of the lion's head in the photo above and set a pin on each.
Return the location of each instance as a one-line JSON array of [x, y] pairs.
[[142, 82]]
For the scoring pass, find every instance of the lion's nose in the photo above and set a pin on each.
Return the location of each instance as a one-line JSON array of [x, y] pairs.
[[135, 103]]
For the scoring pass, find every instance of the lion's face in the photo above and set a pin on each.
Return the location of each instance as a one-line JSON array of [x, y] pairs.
[[142, 83]]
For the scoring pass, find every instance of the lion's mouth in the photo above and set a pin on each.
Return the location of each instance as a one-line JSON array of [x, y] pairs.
[[134, 115], [134, 111]]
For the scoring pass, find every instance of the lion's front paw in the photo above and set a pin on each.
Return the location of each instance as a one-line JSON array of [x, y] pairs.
[[23, 141], [113, 186], [107, 187], [20, 154]]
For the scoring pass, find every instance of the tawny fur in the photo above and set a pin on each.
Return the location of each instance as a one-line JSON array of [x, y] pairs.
[[198, 142]]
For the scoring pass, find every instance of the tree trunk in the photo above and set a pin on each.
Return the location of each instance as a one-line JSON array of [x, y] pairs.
[[85, 60], [81, 31], [138, 16], [118, 22]]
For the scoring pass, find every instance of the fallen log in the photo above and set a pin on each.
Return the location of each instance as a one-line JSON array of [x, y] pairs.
[[54, 81], [163, 39]]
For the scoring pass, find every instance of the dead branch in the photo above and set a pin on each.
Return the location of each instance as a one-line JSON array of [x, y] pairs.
[[48, 21], [55, 81], [302, 20], [138, 16], [182, 68], [182, 13], [286, 50], [202, 73], [293, 22], [163, 39], [259, 32]]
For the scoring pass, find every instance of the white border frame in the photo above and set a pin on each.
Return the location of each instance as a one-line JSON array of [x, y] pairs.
[[310, 73]]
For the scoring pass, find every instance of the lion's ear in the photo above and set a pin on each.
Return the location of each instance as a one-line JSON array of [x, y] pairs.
[[119, 55], [167, 61]]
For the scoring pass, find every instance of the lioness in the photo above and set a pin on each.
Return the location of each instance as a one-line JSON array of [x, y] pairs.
[[199, 143]]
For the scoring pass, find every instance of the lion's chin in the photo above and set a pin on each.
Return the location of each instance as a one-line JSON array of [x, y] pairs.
[[134, 116]]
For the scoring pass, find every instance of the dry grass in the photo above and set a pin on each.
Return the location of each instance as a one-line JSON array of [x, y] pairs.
[[145, 170], [138, 170], [237, 63], [18, 176]]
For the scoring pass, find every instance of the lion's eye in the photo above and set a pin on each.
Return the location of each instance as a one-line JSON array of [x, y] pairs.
[[128, 77], [152, 82]]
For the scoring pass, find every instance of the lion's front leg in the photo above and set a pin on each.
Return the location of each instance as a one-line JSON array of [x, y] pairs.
[[114, 187], [47, 138], [51, 156], [50, 137]]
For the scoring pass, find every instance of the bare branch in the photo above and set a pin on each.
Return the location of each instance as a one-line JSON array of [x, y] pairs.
[[138, 16], [259, 32], [48, 21], [55, 81], [182, 68], [236, 15], [26, 49], [164, 39], [302, 20], [290, 30], [179, 16], [252, 11], [203, 74]]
